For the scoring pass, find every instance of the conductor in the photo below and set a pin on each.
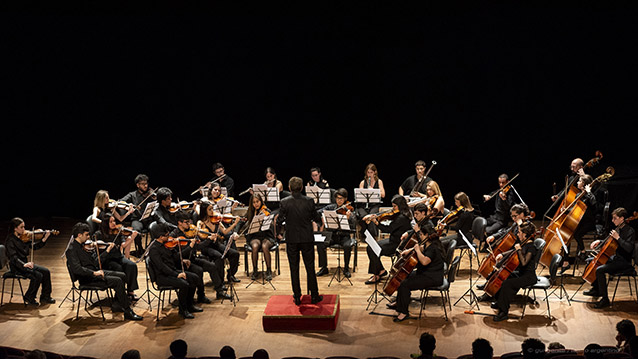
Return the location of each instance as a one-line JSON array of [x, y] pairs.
[[298, 212]]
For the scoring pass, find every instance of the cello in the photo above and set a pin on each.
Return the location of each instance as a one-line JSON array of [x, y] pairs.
[[604, 251], [562, 227]]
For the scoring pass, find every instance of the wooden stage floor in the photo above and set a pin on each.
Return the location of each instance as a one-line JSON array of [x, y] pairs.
[[358, 333]]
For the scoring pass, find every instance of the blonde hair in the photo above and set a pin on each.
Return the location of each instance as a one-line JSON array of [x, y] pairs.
[[464, 200], [100, 199], [435, 187]]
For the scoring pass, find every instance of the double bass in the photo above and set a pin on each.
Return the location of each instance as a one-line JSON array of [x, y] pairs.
[[605, 250]]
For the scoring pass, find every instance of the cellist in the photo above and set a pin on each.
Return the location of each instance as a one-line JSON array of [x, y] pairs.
[[619, 262], [525, 273], [587, 222]]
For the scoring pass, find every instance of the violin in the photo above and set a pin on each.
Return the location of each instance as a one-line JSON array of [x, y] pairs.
[[386, 215], [90, 245], [344, 208], [179, 241], [182, 205], [120, 229], [193, 231], [216, 218], [504, 189], [448, 218], [36, 235], [264, 210], [119, 204]]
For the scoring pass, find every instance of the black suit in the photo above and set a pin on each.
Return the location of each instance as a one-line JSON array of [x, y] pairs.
[[298, 212]]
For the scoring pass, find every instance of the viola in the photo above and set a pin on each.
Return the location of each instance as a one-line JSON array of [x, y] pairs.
[[36, 235]]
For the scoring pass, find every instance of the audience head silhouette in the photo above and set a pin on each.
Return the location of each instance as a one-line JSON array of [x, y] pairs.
[[533, 349], [131, 354], [227, 352], [482, 349], [427, 344], [260, 354], [178, 348]]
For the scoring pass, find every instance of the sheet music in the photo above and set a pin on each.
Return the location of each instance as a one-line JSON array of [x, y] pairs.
[[367, 195], [150, 207], [319, 238], [468, 243], [260, 223], [372, 243], [319, 195], [336, 221], [270, 194]]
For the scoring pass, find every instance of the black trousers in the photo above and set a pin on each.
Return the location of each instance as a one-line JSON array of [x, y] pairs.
[[493, 225], [414, 281], [509, 288], [114, 280], [185, 288], [387, 249], [214, 251], [38, 276], [371, 227], [341, 239], [122, 264], [615, 264], [307, 251]]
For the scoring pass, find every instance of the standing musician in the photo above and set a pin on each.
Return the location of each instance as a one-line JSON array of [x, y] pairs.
[[18, 252], [415, 184], [525, 273], [338, 236], [400, 223], [163, 212], [102, 204], [225, 181], [213, 247], [370, 180], [111, 232], [85, 265], [463, 222], [198, 264], [621, 261], [429, 269], [502, 204], [259, 240], [139, 198], [171, 270]]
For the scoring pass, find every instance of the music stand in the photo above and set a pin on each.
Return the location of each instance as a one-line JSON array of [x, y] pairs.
[[269, 194], [234, 298], [224, 206], [470, 291], [336, 222], [259, 223], [367, 195], [374, 297], [319, 195]]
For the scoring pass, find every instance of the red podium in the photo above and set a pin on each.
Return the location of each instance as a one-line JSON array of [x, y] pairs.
[[282, 315]]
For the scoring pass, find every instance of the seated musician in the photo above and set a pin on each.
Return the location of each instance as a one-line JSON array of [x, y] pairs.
[[140, 197], [85, 266], [414, 185], [263, 240], [172, 270], [338, 236], [18, 252], [102, 204], [621, 261], [502, 204], [199, 264], [420, 212], [316, 179], [428, 273], [434, 202], [215, 196], [400, 223], [164, 213], [370, 180], [588, 221], [109, 232], [525, 273], [213, 247], [463, 222]]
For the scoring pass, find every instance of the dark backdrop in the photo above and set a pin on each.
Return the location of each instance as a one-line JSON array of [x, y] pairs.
[[93, 97]]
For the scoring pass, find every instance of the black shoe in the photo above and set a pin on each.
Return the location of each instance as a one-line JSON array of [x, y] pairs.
[[316, 299], [397, 320], [253, 275], [383, 274], [222, 295], [47, 300], [346, 272], [232, 278], [494, 305], [565, 268], [29, 301], [484, 298], [186, 314], [203, 299], [268, 275], [372, 280], [297, 300], [480, 286], [391, 306], [501, 316], [194, 309], [130, 315], [592, 293], [604, 303], [322, 271], [133, 298]]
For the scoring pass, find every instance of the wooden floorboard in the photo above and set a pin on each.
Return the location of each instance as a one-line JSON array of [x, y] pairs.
[[358, 333]]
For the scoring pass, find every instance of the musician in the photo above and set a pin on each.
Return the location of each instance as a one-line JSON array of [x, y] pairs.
[[215, 196], [370, 180], [198, 264], [588, 221], [415, 185], [109, 232], [400, 223], [420, 211], [172, 271], [463, 222], [18, 253], [621, 261], [429, 270], [435, 201], [316, 179], [225, 181], [263, 240], [85, 266], [298, 212], [338, 236], [102, 204], [163, 212], [525, 273], [577, 170], [139, 198], [271, 179], [502, 204], [213, 247]]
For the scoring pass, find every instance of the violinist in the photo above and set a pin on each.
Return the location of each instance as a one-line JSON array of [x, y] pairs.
[[213, 246], [523, 276], [261, 240], [428, 273], [163, 212], [337, 236], [621, 261], [223, 179], [141, 196], [102, 204], [414, 185], [370, 180], [400, 223], [434, 202], [18, 252], [111, 232], [171, 270], [463, 222], [85, 266], [503, 201], [215, 196], [198, 264]]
